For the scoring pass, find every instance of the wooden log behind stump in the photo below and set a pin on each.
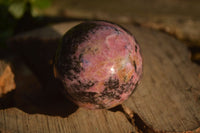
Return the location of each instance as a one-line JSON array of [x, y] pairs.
[[167, 98]]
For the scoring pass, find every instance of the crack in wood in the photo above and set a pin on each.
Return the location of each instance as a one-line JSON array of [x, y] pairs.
[[140, 126], [134, 119]]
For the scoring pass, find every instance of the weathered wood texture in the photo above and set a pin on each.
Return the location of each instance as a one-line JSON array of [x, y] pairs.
[[37, 106], [167, 98], [14, 121]]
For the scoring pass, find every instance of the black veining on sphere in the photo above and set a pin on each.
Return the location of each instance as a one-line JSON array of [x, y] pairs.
[[116, 30], [110, 89], [112, 92], [136, 48], [125, 87], [85, 97], [66, 63], [82, 86], [69, 66], [135, 66], [112, 83], [88, 97]]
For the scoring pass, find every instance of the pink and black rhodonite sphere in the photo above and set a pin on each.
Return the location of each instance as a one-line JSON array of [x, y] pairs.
[[99, 64]]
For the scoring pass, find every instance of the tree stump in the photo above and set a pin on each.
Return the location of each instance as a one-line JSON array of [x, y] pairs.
[[168, 97], [166, 100]]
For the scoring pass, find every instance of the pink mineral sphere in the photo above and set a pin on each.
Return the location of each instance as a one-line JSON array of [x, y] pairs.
[[99, 64]]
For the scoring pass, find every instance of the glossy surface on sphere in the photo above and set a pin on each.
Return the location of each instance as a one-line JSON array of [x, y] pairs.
[[99, 64]]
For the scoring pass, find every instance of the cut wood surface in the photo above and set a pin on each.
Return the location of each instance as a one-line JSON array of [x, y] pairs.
[[14, 120], [167, 98]]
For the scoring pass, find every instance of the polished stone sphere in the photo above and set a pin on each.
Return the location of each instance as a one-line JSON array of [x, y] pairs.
[[99, 64]]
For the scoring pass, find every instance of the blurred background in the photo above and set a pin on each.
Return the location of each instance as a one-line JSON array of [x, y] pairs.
[[178, 18]]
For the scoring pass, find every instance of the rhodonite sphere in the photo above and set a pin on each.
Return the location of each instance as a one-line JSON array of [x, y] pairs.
[[99, 64]]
